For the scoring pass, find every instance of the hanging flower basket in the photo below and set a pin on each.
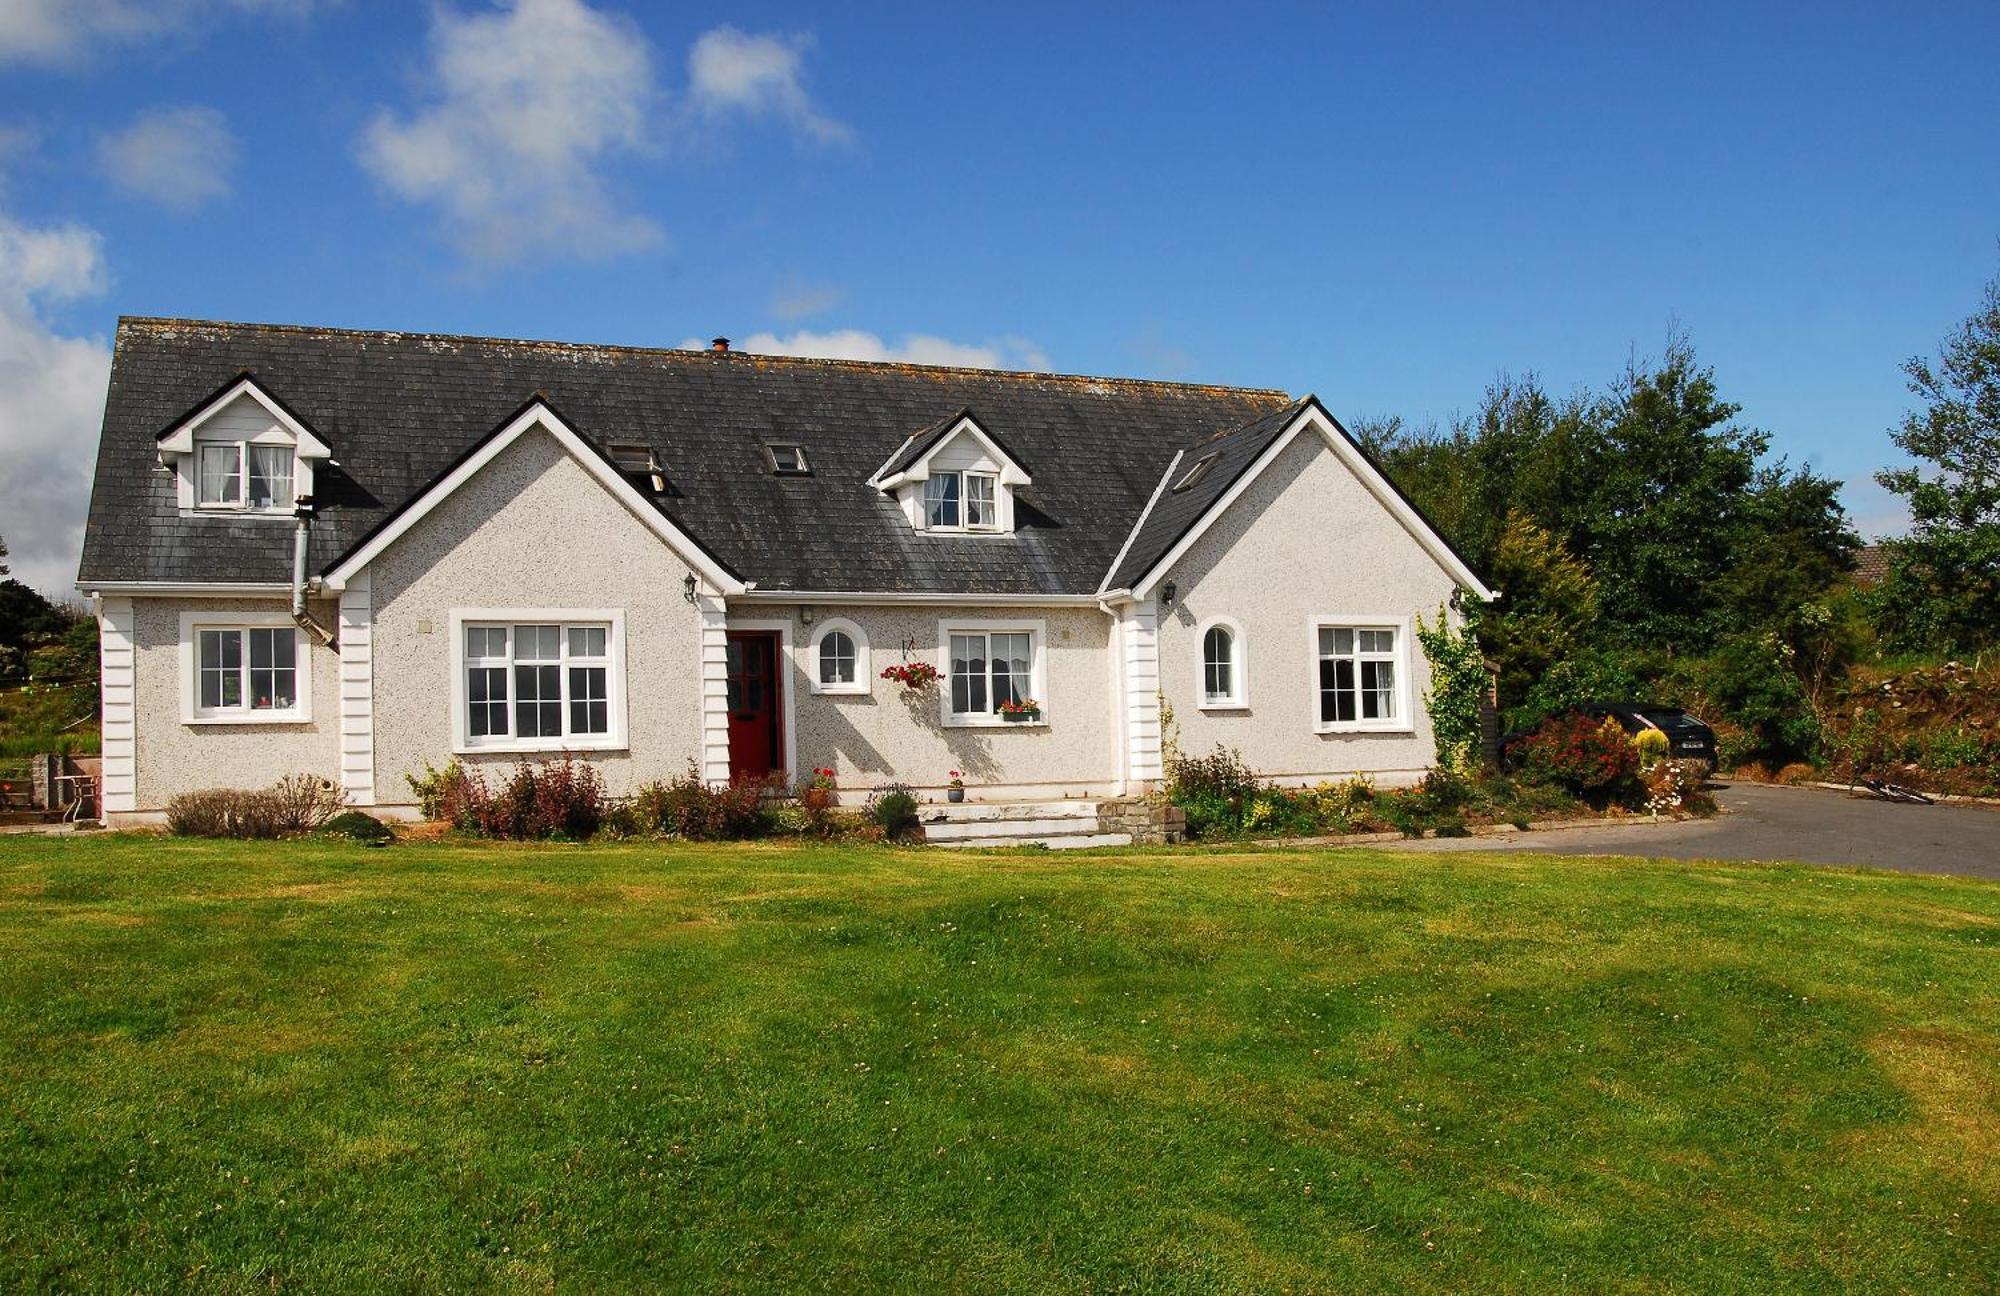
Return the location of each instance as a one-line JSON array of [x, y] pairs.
[[917, 677]]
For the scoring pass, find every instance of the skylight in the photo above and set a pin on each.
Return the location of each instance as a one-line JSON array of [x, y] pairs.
[[788, 460], [1192, 477]]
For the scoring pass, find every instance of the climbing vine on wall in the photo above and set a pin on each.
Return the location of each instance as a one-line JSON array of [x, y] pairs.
[[1458, 686]]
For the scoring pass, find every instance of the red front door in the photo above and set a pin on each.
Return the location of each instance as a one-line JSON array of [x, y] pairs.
[[756, 729]]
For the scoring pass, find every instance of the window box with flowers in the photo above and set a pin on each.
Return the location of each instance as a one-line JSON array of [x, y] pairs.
[[1026, 711]]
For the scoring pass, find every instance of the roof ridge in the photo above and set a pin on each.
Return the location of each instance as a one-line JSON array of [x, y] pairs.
[[688, 353]]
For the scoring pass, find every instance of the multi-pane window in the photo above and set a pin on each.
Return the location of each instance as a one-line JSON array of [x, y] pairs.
[[941, 502], [540, 683], [961, 501], [1357, 676], [989, 668], [1221, 671], [250, 669], [235, 474], [836, 659], [979, 512]]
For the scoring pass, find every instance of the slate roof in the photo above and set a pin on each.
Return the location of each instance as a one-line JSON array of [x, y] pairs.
[[920, 445], [399, 408]]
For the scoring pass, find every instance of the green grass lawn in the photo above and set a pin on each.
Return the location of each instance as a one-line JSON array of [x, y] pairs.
[[241, 1066]]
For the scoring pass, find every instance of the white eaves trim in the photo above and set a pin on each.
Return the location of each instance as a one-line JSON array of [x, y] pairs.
[[1011, 473], [538, 415], [908, 598], [181, 439], [1313, 419], [185, 589]]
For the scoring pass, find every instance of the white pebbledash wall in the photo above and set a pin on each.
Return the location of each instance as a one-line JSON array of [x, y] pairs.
[[532, 530], [1305, 539], [889, 735], [171, 757]]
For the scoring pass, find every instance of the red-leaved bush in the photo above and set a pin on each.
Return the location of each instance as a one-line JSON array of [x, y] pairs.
[[1591, 758], [559, 798]]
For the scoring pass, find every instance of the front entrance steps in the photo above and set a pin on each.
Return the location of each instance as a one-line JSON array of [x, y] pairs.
[[1058, 825]]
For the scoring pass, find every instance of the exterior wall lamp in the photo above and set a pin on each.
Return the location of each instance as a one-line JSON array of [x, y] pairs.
[[687, 588]]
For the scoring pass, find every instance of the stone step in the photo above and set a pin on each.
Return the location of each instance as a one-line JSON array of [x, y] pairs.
[[1067, 826], [1060, 841], [985, 811]]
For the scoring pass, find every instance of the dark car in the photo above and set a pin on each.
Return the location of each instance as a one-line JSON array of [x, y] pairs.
[[1687, 737]]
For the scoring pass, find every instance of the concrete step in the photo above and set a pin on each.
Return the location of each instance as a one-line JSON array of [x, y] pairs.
[[1067, 826], [983, 811], [1061, 841]]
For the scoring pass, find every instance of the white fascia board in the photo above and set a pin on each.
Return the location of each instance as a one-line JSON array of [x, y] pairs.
[[1311, 419], [185, 589], [1144, 513], [1011, 473], [905, 597], [540, 415], [181, 439]]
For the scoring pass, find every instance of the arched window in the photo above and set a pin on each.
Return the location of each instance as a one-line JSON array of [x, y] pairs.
[[1222, 666], [840, 659]]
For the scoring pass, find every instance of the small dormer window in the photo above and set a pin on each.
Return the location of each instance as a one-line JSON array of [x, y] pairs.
[[1192, 477], [788, 460], [961, 501], [241, 452]]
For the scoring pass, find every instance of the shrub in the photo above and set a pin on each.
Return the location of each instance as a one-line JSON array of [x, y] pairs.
[[304, 802], [224, 812], [893, 808], [1675, 787], [816, 800], [1214, 791], [1651, 744], [560, 798], [1592, 759], [361, 827], [434, 786], [688, 808]]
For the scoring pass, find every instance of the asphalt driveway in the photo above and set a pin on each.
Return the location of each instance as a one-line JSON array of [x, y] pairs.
[[1809, 825]]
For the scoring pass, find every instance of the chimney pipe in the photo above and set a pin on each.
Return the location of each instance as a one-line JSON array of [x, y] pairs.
[[719, 344]]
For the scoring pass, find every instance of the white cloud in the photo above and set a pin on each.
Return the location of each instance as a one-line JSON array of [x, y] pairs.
[[915, 348], [1876, 513], [51, 400], [57, 31], [531, 101], [760, 76], [179, 157], [797, 299]]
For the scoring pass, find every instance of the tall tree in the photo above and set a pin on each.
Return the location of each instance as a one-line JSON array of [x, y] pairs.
[[1547, 610], [1943, 590]]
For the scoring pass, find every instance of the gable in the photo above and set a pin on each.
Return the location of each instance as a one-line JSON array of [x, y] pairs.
[[1178, 519], [538, 421]]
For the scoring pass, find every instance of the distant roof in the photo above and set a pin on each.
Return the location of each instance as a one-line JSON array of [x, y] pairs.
[[1871, 564], [399, 409]]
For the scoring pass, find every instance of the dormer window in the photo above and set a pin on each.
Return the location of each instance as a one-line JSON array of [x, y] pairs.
[[241, 452], [788, 460], [954, 476]]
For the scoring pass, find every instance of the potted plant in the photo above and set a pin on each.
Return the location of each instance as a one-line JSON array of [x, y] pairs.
[[917, 676], [1022, 712], [955, 790]]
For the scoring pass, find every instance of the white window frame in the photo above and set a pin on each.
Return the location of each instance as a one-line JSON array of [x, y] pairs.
[[463, 743], [1405, 720], [964, 477], [864, 674], [1038, 651], [193, 713], [242, 503], [1238, 698]]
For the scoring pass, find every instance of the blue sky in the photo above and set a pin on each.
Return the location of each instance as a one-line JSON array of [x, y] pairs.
[[1386, 205]]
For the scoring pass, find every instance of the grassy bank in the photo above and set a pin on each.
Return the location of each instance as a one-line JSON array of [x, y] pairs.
[[258, 1065]]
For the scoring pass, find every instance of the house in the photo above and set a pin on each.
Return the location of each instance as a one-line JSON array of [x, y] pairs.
[[361, 553]]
